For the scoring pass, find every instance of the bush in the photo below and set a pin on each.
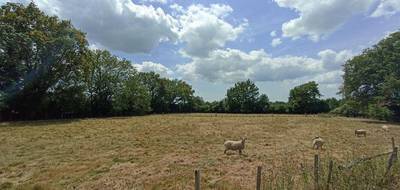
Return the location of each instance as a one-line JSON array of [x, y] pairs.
[[278, 107], [379, 112], [348, 109]]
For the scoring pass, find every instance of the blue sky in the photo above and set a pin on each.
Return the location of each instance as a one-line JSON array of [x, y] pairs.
[[213, 44]]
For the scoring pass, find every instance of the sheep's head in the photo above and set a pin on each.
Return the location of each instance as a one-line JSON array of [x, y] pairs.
[[243, 140]]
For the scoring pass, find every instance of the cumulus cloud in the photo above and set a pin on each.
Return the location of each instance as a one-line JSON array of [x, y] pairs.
[[334, 60], [233, 65], [138, 28], [276, 42], [273, 33], [331, 77], [203, 29], [155, 1], [387, 8], [149, 66], [116, 24], [320, 18]]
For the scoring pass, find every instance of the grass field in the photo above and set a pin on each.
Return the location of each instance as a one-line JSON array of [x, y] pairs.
[[161, 151]]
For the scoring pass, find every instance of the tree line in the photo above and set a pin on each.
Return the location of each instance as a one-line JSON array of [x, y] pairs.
[[47, 71], [371, 86]]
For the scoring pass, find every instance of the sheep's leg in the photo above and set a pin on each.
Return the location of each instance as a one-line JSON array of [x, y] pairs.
[[240, 152], [225, 151]]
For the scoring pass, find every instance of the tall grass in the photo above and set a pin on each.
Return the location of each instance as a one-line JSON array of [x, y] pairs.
[[371, 174]]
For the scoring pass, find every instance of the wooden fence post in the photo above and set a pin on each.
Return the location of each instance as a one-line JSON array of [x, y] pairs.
[[197, 179], [392, 158], [258, 179], [329, 174], [393, 145], [316, 172]]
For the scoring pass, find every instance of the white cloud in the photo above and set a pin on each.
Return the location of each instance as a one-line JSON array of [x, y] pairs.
[[331, 77], [116, 24], [334, 60], [149, 66], [233, 65], [155, 1], [387, 8], [276, 42], [273, 33], [138, 28], [204, 29], [320, 18]]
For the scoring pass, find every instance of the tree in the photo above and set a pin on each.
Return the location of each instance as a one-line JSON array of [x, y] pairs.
[[105, 76], [199, 105], [372, 79], [168, 95], [243, 97], [278, 107], [262, 104], [133, 99], [332, 103], [38, 54], [305, 98]]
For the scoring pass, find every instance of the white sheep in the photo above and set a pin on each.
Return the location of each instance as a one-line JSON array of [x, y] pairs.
[[318, 142], [235, 145], [385, 128], [360, 132]]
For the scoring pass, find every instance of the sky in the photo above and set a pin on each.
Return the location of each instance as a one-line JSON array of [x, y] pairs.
[[212, 44]]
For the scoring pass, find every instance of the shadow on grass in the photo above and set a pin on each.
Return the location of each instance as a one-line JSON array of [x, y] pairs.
[[381, 122], [38, 123]]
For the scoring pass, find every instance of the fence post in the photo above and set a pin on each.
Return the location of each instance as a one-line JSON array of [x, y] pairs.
[[392, 158], [316, 171], [197, 179], [393, 145], [329, 174], [258, 179]]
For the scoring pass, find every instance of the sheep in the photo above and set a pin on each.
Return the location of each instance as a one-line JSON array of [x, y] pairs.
[[385, 128], [318, 142], [235, 145], [360, 132]]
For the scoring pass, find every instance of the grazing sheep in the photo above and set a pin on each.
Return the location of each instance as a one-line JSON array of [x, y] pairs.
[[318, 142], [360, 132], [385, 128], [235, 145]]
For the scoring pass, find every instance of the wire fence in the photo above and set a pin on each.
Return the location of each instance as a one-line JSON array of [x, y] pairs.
[[318, 183]]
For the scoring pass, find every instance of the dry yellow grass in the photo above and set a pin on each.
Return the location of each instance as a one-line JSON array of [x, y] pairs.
[[161, 151]]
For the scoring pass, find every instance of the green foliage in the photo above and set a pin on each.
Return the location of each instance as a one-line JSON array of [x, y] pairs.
[[379, 112], [374, 77], [133, 99], [47, 71], [243, 97], [169, 95], [349, 109], [331, 103], [279, 107], [38, 53], [305, 98], [105, 76], [262, 104]]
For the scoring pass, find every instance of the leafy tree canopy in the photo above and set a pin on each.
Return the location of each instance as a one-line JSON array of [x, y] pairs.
[[372, 79]]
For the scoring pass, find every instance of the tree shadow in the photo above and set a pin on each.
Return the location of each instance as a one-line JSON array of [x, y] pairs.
[[37, 123], [381, 122]]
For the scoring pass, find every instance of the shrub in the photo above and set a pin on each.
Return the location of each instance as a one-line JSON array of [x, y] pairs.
[[348, 109], [379, 112]]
